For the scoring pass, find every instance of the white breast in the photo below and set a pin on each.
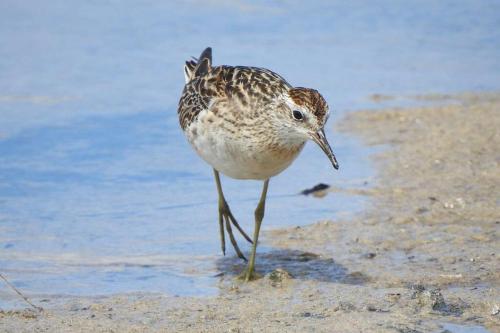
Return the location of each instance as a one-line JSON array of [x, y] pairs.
[[236, 155]]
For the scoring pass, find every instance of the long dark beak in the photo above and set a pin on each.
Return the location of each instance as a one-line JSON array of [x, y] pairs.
[[320, 139]]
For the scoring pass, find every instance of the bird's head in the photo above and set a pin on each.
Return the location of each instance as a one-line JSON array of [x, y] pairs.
[[306, 113]]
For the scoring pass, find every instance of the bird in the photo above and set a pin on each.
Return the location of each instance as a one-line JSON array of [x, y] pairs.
[[248, 123]]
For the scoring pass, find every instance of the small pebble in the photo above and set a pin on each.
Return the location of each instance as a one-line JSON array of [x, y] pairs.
[[369, 255]]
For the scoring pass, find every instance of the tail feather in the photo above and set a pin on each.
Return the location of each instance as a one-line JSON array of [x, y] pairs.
[[198, 67], [189, 69]]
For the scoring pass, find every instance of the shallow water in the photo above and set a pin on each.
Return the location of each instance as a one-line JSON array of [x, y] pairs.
[[454, 328], [100, 192]]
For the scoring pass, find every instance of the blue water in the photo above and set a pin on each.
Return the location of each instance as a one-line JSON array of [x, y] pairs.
[[454, 328], [100, 192]]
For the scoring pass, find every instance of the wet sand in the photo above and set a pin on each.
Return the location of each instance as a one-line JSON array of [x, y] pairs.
[[424, 256]]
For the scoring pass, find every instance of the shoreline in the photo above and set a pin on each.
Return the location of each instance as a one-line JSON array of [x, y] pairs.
[[424, 254]]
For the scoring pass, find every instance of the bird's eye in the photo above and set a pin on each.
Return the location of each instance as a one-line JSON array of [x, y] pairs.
[[298, 115]]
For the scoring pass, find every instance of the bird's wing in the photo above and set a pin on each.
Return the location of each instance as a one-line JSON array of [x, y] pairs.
[[243, 88], [249, 86]]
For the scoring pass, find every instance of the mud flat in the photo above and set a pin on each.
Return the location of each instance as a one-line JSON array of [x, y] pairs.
[[424, 257]]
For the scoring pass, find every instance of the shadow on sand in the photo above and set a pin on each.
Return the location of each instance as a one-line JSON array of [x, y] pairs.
[[299, 264]]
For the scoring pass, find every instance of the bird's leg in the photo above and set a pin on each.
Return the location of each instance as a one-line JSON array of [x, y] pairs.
[[226, 215], [259, 215]]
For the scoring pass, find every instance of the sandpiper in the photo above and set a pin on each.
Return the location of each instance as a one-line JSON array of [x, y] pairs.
[[248, 123]]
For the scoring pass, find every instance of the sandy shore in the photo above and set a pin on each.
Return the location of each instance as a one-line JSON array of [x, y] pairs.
[[422, 258]]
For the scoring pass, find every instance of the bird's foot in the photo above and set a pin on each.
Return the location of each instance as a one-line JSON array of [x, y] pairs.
[[226, 216], [226, 213], [248, 275]]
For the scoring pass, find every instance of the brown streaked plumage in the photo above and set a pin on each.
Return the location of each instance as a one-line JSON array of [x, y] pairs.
[[248, 123], [310, 98], [247, 86]]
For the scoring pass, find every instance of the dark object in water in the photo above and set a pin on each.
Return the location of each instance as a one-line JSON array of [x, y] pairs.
[[317, 188]]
